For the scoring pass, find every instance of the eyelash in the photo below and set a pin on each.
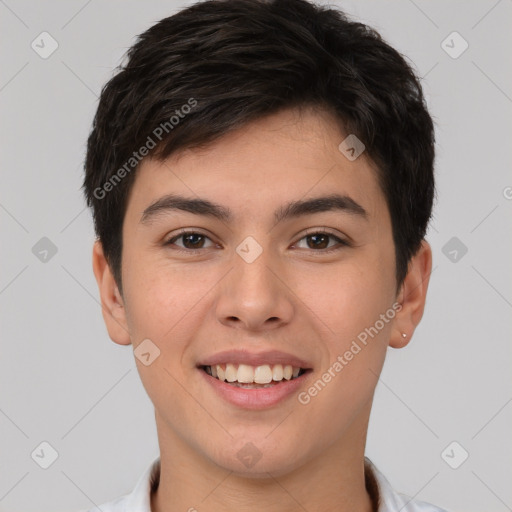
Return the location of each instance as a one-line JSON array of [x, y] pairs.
[[342, 243]]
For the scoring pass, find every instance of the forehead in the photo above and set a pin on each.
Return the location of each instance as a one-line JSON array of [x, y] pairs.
[[290, 155]]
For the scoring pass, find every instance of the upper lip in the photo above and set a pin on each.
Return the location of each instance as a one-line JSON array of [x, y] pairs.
[[269, 357]]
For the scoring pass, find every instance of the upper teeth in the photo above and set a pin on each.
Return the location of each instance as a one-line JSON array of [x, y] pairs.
[[247, 374]]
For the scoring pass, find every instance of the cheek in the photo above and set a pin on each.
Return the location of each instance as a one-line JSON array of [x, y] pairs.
[[352, 307], [346, 299], [163, 307], [356, 344], [156, 299], [168, 304]]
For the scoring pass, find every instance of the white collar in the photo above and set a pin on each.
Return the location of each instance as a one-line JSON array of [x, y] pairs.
[[140, 498]]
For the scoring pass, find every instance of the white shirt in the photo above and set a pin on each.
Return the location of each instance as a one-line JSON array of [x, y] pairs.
[[139, 499]]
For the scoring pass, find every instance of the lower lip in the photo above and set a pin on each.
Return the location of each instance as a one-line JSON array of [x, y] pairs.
[[255, 398]]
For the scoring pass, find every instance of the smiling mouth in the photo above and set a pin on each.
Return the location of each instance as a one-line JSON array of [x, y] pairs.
[[254, 377]]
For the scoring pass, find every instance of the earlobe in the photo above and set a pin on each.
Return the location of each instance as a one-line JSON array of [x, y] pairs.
[[112, 304], [412, 296]]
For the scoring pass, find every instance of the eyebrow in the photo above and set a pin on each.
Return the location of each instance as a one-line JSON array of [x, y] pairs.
[[293, 209]]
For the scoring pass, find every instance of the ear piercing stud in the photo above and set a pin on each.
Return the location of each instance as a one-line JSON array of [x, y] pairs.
[[404, 335]]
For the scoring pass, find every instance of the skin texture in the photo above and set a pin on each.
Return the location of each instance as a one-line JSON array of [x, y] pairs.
[[292, 298]]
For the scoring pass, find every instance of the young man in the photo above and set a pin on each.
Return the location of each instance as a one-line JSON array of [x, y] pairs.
[[261, 178]]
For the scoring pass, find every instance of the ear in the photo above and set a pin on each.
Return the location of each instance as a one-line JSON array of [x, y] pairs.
[[412, 296], [112, 305]]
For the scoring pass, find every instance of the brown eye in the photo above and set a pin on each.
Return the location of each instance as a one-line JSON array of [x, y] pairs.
[[191, 240], [319, 241]]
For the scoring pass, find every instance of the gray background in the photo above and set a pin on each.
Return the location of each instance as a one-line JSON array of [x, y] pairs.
[[64, 382]]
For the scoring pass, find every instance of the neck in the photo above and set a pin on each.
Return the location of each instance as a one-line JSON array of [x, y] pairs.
[[333, 480]]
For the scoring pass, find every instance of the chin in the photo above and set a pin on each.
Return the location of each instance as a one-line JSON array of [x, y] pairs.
[[248, 461]]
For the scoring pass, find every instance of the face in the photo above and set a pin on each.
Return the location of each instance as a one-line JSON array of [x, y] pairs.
[[254, 286]]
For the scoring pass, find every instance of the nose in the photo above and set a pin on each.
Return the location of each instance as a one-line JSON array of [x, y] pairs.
[[254, 295]]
